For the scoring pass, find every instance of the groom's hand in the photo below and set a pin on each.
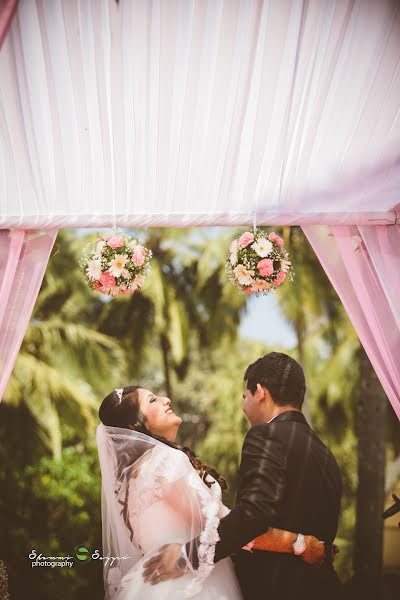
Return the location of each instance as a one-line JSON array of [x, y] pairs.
[[315, 551], [168, 564]]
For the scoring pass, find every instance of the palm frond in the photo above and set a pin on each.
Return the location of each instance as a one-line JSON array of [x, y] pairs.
[[50, 395], [54, 334]]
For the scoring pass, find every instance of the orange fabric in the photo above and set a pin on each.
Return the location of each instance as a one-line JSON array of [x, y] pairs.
[[278, 540]]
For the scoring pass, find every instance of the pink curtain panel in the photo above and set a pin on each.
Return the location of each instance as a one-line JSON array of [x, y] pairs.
[[7, 9], [23, 260], [362, 264]]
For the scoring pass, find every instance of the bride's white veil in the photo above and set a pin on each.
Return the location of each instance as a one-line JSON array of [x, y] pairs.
[[115, 459], [137, 470]]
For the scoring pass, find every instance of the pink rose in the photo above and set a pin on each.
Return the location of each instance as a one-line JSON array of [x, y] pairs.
[[246, 239], [98, 286], [107, 280], [266, 267], [280, 278], [138, 256], [105, 237], [116, 241], [126, 291], [248, 290], [274, 237]]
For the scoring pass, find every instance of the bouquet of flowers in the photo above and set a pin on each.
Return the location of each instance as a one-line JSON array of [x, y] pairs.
[[115, 264], [258, 262]]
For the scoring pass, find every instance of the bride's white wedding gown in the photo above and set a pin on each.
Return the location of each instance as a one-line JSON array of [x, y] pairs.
[[162, 518]]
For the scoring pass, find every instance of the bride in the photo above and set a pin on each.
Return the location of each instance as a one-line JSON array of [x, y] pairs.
[[154, 493]]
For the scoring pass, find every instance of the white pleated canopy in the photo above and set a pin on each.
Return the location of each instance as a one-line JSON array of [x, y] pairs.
[[182, 112]]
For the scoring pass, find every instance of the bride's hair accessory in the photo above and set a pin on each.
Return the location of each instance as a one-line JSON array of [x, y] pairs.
[[119, 392]]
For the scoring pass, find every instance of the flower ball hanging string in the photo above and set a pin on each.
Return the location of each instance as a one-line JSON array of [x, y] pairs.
[[115, 264]]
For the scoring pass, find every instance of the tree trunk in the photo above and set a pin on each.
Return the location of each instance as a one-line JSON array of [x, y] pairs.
[[299, 324], [299, 328], [167, 368], [370, 429]]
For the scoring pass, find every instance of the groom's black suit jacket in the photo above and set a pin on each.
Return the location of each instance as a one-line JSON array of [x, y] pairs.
[[287, 479]]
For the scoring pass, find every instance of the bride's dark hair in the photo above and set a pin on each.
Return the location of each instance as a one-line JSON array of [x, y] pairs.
[[127, 415]]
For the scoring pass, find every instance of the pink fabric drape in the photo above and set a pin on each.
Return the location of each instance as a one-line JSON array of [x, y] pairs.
[[7, 9], [23, 259], [363, 264]]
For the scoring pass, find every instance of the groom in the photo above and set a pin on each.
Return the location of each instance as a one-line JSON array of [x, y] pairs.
[[287, 479]]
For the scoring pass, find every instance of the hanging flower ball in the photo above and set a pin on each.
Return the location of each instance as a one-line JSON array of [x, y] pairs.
[[115, 264], [258, 262]]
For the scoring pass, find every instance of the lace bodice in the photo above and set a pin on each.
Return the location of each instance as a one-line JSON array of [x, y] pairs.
[[153, 477], [161, 500]]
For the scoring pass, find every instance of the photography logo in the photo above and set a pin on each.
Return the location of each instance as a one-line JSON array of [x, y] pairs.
[[82, 554], [39, 560]]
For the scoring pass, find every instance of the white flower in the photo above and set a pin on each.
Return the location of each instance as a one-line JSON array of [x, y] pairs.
[[125, 274], [93, 269], [132, 245], [233, 251], [117, 265], [233, 257], [100, 246], [243, 276], [285, 265], [263, 247]]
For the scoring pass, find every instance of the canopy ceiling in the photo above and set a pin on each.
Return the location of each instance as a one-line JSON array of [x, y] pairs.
[[200, 112]]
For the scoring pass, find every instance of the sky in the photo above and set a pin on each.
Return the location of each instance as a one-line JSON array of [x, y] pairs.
[[264, 322]]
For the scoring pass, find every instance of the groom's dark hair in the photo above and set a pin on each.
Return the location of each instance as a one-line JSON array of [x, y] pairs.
[[281, 375]]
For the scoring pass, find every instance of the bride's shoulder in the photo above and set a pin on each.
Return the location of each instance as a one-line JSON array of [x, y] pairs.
[[168, 462], [168, 453]]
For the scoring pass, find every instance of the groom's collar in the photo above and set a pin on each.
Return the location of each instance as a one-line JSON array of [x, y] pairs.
[[290, 415]]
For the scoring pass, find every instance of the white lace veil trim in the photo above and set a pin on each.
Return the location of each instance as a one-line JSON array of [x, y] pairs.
[[137, 471]]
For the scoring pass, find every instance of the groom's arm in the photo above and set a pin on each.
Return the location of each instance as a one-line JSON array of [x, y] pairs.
[[262, 485]]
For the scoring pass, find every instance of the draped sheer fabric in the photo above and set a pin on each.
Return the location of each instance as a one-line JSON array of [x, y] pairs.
[[185, 112], [7, 10], [23, 260], [192, 112], [152, 495], [362, 264]]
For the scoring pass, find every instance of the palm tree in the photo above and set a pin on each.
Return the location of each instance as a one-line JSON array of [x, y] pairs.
[[185, 303], [64, 363]]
